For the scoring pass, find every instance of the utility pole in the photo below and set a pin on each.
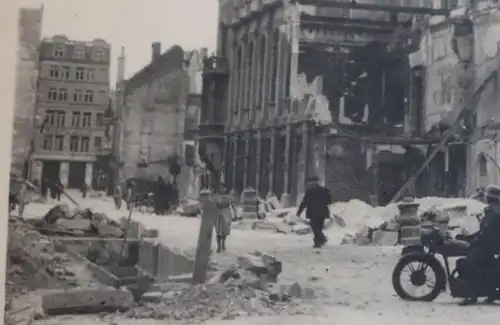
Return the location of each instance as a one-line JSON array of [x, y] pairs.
[[117, 122], [204, 246]]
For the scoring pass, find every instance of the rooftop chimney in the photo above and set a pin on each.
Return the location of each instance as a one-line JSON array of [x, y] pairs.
[[156, 47]]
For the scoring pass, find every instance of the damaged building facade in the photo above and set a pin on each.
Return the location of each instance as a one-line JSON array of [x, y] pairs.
[[158, 109], [358, 94]]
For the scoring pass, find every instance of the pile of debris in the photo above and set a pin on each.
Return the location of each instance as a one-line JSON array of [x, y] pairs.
[[62, 221], [247, 288], [405, 228]]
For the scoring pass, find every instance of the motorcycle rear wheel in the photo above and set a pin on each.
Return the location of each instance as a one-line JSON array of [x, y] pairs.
[[431, 263]]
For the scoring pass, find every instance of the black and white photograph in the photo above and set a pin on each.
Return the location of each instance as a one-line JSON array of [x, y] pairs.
[[247, 162]]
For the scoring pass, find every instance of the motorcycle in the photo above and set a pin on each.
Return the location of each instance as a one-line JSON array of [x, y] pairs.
[[435, 242]]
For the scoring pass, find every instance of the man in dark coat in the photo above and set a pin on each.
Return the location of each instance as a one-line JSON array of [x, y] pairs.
[[316, 201], [484, 245]]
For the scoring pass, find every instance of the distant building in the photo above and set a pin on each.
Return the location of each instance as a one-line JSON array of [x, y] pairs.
[[153, 115], [73, 101], [30, 29]]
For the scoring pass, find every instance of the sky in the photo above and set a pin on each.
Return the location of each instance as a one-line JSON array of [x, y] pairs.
[[133, 24]]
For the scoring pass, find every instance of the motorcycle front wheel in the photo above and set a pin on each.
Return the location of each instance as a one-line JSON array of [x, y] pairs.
[[418, 277]]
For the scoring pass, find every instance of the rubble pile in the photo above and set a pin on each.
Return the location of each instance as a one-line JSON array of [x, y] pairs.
[[62, 221], [249, 287], [409, 220]]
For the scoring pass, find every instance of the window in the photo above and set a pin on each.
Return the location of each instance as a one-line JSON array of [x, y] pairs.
[[47, 142], [86, 120], [60, 118], [78, 96], [59, 143], [79, 53], [97, 144], [89, 96], [99, 55], [52, 94], [74, 143], [54, 71], [63, 94], [80, 73], [65, 72], [75, 119], [50, 117], [85, 144], [483, 165], [58, 51], [90, 74], [99, 119]]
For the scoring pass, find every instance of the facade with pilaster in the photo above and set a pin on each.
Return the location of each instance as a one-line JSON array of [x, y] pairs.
[[303, 87], [72, 104]]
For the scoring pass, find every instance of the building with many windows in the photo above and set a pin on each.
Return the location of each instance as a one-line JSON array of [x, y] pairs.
[[72, 101]]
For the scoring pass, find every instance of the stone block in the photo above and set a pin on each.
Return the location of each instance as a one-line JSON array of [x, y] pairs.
[[151, 233], [172, 263], [286, 200], [86, 301], [148, 257], [385, 238]]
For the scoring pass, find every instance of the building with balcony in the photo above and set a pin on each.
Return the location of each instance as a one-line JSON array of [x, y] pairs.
[[30, 29], [313, 87], [73, 104]]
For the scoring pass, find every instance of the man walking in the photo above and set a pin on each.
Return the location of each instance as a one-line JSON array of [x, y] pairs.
[[316, 202]]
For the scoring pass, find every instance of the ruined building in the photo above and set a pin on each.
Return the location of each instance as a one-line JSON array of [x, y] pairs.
[[29, 35], [158, 112], [337, 89]]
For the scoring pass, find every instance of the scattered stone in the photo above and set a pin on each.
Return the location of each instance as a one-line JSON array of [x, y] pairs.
[[295, 290], [150, 233], [301, 229], [86, 301]]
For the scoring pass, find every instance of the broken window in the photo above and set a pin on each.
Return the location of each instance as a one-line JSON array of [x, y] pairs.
[[483, 166]]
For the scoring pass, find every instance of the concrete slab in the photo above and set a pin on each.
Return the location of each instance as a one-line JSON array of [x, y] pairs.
[[84, 301]]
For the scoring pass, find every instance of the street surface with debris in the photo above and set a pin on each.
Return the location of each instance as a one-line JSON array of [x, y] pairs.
[[350, 283]]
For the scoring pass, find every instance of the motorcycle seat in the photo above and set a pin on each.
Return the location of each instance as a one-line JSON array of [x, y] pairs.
[[454, 248]]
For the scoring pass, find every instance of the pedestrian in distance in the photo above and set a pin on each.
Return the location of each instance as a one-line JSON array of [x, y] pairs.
[[118, 197], [224, 218], [316, 202], [84, 190]]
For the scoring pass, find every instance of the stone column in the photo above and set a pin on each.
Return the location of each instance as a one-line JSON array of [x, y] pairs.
[[234, 143], [89, 168], [286, 196], [303, 161], [271, 162], [64, 173], [246, 162], [258, 158]]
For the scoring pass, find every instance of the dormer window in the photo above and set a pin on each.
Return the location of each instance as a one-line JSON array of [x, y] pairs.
[[58, 51], [99, 55]]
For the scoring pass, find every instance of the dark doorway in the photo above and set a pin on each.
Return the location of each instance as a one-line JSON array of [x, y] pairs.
[[390, 177], [50, 170], [76, 177]]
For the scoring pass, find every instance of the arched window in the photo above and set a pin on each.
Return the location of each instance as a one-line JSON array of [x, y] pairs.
[[482, 165], [249, 76], [237, 79], [275, 67], [262, 69]]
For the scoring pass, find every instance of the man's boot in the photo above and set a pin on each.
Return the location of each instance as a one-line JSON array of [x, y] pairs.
[[223, 243], [219, 244]]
